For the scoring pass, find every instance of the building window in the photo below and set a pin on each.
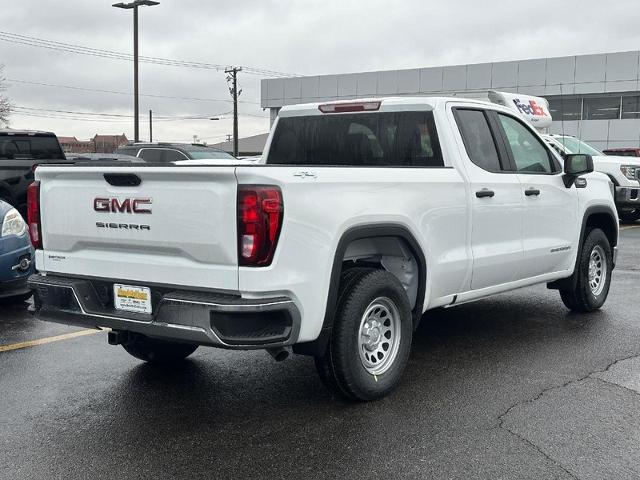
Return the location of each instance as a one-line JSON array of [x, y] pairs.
[[631, 107], [601, 108], [566, 108]]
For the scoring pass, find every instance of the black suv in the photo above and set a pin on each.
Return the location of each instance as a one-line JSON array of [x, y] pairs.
[[20, 152], [173, 152]]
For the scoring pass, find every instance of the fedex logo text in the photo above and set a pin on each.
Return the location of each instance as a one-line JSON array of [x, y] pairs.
[[531, 108]]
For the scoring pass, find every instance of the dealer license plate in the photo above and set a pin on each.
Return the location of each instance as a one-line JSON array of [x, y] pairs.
[[132, 299]]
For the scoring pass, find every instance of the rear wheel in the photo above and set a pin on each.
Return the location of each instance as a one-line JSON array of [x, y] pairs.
[[592, 277], [371, 337], [157, 351]]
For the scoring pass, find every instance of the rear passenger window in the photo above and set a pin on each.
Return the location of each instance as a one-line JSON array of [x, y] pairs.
[[380, 139], [29, 147], [151, 154], [174, 156], [478, 139]]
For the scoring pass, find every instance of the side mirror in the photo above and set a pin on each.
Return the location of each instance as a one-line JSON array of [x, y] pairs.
[[576, 164]]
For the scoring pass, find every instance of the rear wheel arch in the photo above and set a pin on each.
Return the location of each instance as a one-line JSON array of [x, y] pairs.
[[351, 237]]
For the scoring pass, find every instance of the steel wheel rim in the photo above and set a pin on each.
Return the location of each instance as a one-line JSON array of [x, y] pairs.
[[597, 270], [379, 336]]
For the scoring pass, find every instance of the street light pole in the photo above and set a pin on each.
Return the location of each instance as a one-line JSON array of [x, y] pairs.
[[136, 111], [136, 106]]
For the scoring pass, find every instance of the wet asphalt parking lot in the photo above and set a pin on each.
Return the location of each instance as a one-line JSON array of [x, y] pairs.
[[511, 387]]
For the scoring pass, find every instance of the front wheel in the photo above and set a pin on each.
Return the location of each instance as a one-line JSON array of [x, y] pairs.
[[592, 277], [157, 351], [371, 337]]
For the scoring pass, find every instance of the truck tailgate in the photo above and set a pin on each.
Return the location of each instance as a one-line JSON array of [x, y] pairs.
[[177, 227]]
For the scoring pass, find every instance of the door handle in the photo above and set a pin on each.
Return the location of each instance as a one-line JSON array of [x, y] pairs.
[[485, 192], [531, 192]]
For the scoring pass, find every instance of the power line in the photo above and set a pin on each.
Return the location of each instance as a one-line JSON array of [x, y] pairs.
[[17, 107], [111, 54], [150, 95], [99, 120], [110, 117], [58, 117], [183, 117]]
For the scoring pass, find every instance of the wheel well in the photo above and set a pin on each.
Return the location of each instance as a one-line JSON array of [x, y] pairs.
[[392, 254], [388, 246], [606, 223], [595, 217], [613, 180]]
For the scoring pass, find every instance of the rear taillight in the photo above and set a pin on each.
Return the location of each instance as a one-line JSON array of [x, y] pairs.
[[260, 211], [33, 214]]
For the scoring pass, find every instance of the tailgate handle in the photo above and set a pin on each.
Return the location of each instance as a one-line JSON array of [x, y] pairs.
[[122, 179]]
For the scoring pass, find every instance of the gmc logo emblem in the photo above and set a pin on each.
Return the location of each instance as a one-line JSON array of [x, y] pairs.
[[128, 205]]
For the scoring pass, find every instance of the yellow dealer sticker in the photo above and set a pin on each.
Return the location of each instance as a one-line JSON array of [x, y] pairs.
[[132, 299]]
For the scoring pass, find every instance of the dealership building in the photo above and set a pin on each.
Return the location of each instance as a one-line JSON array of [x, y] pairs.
[[594, 97]]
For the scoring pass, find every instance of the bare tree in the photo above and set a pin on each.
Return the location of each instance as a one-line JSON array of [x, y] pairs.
[[6, 107]]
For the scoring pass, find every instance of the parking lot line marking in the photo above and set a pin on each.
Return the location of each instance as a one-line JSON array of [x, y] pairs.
[[43, 341], [629, 227]]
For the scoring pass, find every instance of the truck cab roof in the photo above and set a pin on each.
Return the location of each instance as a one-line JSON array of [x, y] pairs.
[[371, 104], [11, 131]]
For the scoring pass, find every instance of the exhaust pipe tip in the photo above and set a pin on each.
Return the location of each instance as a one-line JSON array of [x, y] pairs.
[[279, 354]]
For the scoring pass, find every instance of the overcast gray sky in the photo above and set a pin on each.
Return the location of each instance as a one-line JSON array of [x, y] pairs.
[[300, 37]]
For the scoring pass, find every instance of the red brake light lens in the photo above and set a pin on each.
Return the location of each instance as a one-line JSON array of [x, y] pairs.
[[350, 107], [260, 212], [33, 214]]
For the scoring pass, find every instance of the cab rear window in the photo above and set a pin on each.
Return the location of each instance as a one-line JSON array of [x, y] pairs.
[[16, 147], [380, 139]]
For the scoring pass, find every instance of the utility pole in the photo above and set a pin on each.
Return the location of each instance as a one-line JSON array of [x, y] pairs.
[[150, 126], [232, 78]]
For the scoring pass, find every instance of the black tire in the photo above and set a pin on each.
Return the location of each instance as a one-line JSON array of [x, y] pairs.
[[341, 367], [323, 363], [582, 298], [157, 351], [629, 215]]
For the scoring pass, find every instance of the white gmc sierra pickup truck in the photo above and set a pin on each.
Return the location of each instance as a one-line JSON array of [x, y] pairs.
[[361, 216]]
